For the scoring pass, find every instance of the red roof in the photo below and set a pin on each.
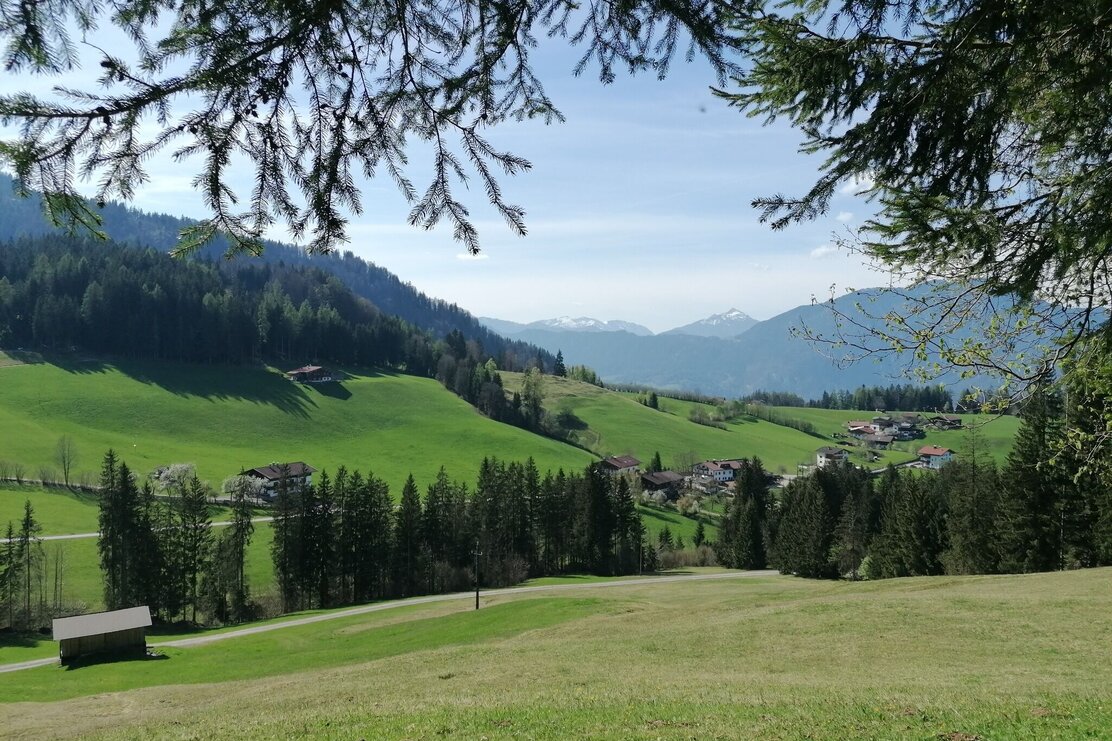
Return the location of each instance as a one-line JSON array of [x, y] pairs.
[[933, 450]]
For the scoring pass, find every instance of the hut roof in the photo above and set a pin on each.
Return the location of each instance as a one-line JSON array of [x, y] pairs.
[[101, 622]]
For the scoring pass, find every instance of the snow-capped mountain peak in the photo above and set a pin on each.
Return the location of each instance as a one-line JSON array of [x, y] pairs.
[[727, 324]]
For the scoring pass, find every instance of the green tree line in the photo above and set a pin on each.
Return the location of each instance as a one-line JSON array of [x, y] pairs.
[[1042, 511]]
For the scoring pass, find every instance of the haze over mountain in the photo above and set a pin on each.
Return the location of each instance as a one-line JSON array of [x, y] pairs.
[[767, 356], [565, 324], [729, 324]]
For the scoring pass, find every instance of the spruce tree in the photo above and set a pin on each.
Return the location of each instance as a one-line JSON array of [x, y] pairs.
[[195, 538], [1031, 526], [408, 544], [30, 556]]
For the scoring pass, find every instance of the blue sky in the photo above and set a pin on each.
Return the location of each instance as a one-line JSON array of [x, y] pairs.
[[637, 209]]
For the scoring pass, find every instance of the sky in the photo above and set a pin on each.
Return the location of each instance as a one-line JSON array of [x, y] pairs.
[[638, 208]]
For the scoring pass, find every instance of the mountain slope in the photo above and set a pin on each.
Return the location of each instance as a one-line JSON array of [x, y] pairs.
[[565, 324], [226, 418], [729, 324], [21, 217], [767, 356]]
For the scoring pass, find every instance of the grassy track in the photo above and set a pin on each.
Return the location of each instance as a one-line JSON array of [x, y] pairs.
[[776, 657], [224, 419]]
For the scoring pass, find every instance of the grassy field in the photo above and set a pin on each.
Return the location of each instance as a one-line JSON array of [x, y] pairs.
[[225, 419], [618, 425], [993, 435], [955, 658]]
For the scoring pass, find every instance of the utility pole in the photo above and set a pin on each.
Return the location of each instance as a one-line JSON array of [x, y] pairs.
[[476, 552]]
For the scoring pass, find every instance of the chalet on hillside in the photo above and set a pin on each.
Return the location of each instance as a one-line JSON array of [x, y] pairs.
[[668, 482], [117, 631], [309, 374], [878, 441], [935, 457], [945, 421], [830, 456], [293, 474], [619, 464], [720, 471]]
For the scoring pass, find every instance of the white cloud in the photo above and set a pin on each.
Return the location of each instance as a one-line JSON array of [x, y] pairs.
[[845, 215], [858, 184], [823, 250]]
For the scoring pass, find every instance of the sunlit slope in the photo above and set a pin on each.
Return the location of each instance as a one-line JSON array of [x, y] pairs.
[[995, 657], [225, 419], [981, 434], [616, 424]]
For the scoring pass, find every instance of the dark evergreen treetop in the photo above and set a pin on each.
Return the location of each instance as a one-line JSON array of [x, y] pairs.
[[982, 132], [310, 94]]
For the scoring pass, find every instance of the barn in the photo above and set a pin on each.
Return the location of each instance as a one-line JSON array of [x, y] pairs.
[[117, 631]]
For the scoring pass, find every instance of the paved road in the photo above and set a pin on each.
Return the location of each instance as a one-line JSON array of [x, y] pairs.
[[394, 604], [79, 536]]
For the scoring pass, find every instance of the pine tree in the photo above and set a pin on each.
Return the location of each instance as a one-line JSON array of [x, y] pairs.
[[408, 542], [30, 556], [558, 369], [195, 538], [700, 536], [1032, 490], [655, 466]]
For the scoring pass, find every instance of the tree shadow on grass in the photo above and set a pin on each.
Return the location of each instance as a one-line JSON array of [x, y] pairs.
[[13, 639], [112, 657], [210, 382]]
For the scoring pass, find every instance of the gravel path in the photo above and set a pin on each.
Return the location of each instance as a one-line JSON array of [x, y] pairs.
[[394, 604]]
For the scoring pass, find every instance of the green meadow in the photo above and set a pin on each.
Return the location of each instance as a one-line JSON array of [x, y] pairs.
[[616, 424], [982, 434], [770, 657], [225, 419]]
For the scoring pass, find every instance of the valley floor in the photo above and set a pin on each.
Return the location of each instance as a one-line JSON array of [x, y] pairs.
[[992, 657]]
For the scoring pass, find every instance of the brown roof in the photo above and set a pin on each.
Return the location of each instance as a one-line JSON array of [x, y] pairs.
[[305, 369], [662, 478], [101, 622], [621, 461], [273, 472], [933, 450], [831, 451]]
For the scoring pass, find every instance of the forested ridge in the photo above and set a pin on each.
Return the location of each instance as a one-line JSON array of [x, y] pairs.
[[129, 227], [65, 293]]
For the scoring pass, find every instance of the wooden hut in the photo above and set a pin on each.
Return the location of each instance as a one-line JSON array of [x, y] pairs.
[[117, 631]]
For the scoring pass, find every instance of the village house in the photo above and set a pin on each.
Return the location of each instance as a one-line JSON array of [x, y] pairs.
[[293, 474], [619, 464], [878, 441], [935, 457], [830, 456], [310, 374], [720, 471]]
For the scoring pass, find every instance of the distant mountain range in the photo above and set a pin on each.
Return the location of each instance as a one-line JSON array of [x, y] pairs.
[[728, 354], [565, 324], [728, 324], [758, 356]]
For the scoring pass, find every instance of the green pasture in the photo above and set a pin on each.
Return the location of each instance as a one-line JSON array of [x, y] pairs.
[[225, 419], [986, 434], [955, 658], [616, 424]]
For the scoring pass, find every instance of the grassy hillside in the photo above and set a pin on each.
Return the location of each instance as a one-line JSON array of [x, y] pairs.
[[618, 425], [225, 419], [771, 657], [993, 435]]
